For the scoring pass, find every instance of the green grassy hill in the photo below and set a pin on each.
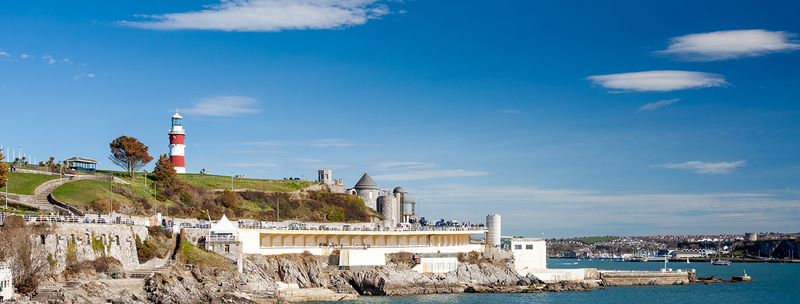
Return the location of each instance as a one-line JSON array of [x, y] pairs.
[[96, 195], [224, 182], [25, 183]]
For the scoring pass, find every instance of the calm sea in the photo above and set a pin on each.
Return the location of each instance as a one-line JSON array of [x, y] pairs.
[[772, 283]]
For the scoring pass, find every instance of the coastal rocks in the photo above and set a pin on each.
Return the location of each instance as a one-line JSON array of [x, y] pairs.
[[305, 270], [65, 297], [485, 274], [568, 286], [127, 297], [396, 280]]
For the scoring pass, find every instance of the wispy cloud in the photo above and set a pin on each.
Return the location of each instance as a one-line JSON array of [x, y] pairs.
[[224, 106], [706, 168], [659, 81], [268, 16], [255, 164], [23, 56], [427, 174], [330, 142], [2, 53], [658, 104], [725, 45], [90, 75], [402, 165], [260, 152]]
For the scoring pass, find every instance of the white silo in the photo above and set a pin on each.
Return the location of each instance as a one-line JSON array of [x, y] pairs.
[[493, 235]]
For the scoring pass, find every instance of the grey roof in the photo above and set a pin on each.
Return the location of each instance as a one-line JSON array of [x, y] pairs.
[[366, 183], [408, 199], [398, 190], [82, 160]]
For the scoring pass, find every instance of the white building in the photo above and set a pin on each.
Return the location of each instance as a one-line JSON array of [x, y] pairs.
[[529, 253], [6, 287]]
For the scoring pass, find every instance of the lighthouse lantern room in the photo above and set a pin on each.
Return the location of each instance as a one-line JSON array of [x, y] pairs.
[[176, 145]]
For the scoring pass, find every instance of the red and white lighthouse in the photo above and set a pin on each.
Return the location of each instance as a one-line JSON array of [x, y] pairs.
[[176, 146]]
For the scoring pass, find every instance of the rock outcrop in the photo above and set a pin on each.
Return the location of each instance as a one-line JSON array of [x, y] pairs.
[[396, 280]]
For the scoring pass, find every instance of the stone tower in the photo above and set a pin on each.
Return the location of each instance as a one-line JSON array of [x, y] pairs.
[[368, 190], [325, 176]]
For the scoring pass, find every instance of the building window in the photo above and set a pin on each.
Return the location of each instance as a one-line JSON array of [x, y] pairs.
[[227, 248], [42, 236], [529, 247], [517, 247]]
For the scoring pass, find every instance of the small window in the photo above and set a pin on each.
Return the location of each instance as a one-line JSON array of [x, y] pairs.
[[529, 247], [227, 248], [42, 237], [517, 247]]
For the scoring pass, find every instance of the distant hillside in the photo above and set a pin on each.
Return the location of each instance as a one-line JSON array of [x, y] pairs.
[[595, 239]]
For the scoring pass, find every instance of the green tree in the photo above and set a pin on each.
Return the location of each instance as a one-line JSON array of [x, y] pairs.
[[129, 154], [165, 170], [3, 170]]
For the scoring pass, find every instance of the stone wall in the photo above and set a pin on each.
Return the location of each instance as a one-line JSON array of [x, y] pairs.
[[644, 278], [91, 241]]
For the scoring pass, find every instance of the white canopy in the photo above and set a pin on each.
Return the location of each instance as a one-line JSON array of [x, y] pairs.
[[224, 226]]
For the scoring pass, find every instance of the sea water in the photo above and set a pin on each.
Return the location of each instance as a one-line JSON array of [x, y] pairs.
[[772, 283]]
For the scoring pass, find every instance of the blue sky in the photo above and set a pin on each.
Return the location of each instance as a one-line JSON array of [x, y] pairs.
[[567, 118]]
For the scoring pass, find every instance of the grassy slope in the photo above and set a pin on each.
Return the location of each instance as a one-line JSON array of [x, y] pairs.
[[25, 183], [224, 182], [83, 192]]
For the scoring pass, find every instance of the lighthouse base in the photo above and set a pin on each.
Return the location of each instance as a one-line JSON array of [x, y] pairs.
[[180, 169]]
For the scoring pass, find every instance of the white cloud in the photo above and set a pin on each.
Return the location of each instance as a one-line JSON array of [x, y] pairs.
[[90, 75], [224, 106], [49, 59], [330, 142], [427, 174], [2, 53], [253, 165], [23, 56], [724, 45], [268, 16], [706, 168], [261, 152], [658, 104], [402, 165], [660, 81]]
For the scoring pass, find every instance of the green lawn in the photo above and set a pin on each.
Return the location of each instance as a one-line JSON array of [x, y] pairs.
[[595, 239], [25, 183], [83, 192], [224, 182]]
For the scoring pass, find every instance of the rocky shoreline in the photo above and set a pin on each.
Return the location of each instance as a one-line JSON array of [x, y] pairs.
[[291, 278]]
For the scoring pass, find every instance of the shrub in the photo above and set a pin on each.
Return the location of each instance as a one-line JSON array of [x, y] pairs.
[[125, 192], [101, 205], [185, 197], [229, 199], [335, 214]]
